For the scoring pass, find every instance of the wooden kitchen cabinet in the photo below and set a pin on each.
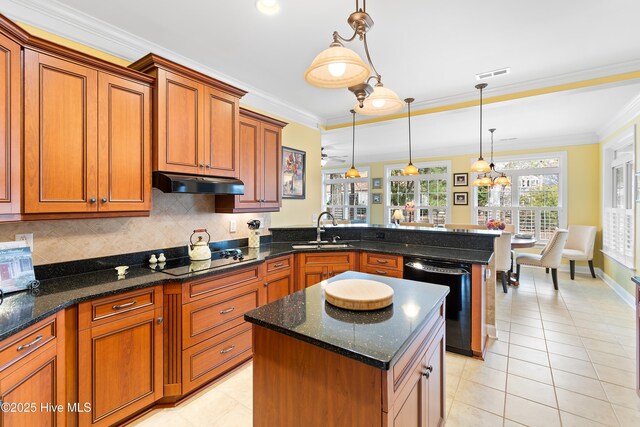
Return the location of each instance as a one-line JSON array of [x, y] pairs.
[[32, 374], [120, 355], [87, 141], [260, 148], [279, 281], [314, 267], [10, 127], [196, 120], [381, 264]]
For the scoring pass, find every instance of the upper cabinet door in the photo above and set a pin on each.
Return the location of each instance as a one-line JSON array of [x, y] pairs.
[[272, 155], [124, 146], [221, 133], [250, 164], [179, 145], [9, 126], [60, 135]]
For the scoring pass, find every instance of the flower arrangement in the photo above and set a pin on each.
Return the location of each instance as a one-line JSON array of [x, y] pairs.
[[495, 224]]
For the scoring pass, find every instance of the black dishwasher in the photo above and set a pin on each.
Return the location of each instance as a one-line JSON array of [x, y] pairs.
[[457, 276]]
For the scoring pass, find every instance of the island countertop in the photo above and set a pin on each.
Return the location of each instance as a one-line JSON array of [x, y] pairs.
[[372, 337]]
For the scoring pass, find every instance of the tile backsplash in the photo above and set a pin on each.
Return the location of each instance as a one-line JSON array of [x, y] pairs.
[[172, 220]]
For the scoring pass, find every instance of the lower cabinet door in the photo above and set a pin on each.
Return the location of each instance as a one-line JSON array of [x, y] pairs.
[[278, 288], [335, 269], [435, 382], [313, 275], [411, 411], [120, 367], [34, 391]]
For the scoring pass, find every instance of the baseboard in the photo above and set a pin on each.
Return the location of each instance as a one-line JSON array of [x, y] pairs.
[[579, 269], [492, 332], [622, 292]]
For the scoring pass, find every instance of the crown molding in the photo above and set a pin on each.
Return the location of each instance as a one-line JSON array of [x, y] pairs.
[[65, 21], [515, 88], [621, 118]]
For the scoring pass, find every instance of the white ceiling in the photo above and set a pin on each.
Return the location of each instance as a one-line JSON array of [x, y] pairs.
[[426, 49]]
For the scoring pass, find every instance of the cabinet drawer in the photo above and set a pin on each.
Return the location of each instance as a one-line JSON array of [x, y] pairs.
[[381, 260], [203, 288], [381, 271], [23, 343], [325, 258], [401, 369], [107, 309], [207, 360], [208, 317], [279, 264]]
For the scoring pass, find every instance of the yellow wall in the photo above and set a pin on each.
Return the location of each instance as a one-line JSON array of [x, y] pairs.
[[583, 180], [621, 274]]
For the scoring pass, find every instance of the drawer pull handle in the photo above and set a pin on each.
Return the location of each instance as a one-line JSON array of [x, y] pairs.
[[227, 350], [428, 371], [382, 261], [228, 310], [381, 272], [129, 304], [278, 265], [25, 346]]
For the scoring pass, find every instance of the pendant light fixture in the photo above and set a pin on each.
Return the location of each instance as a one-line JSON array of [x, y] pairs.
[[340, 67], [410, 169], [487, 179], [353, 172], [481, 164]]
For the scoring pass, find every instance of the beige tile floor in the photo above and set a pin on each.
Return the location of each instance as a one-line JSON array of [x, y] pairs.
[[562, 359]]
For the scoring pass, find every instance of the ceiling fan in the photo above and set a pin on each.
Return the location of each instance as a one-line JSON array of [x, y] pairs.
[[327, 158]]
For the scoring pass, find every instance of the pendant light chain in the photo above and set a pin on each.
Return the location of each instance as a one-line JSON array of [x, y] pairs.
[[353, 144], [409, 113], [480, 157]]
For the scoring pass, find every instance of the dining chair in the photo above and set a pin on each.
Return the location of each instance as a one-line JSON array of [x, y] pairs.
[[579, 247], [550, 257], [502, 254]]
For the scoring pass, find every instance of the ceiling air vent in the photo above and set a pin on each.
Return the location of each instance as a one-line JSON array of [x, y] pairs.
[[494, 73]]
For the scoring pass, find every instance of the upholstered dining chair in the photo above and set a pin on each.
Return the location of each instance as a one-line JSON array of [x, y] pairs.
[[579, 247], [502, 254], [550, 257]]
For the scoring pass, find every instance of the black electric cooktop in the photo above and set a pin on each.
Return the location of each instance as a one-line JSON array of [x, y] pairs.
[[184, 266]]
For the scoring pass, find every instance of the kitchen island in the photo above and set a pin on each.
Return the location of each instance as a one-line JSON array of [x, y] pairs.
[[321, 365]]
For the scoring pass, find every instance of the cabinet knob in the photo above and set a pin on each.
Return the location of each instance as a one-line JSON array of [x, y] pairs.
[[266, 284], [92, 200], [428, 371], [103, 200], [208, 166], [160, 320]]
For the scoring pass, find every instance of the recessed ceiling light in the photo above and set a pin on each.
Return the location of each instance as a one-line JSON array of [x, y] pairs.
[[268, 7], [494, 73]]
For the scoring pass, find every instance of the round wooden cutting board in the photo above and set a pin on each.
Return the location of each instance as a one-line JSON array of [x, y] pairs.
[[358, 294]]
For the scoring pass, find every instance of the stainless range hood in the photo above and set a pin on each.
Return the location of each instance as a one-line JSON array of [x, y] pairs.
[[195, 184]]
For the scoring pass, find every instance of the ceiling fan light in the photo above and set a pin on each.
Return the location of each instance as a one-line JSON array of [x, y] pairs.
[[352, 173], [480, 165], [381, 102], [477, 182], [410, 169], [336, 67]]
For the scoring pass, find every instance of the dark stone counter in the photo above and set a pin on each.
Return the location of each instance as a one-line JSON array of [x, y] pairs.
[[376, 337]]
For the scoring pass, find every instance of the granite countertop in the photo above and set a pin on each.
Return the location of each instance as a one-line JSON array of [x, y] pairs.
[[376, 338], [395, 228], [22, 309]]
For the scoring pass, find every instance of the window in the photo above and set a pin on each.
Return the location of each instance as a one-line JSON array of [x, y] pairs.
[[618, 215], [420, 198], [346, 198], [534, 200]]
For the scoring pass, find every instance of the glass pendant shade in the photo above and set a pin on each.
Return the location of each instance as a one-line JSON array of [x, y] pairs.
[[410, 169], [337, 67], [381, 102], [481, 166], [352, 173], [477, 182], [486, 181], [502, 180]]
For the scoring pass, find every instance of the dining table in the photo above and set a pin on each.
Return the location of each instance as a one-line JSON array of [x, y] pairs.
[[519, 242]]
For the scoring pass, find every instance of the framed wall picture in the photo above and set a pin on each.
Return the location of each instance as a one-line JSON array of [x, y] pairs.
[[461, 198], [293, 173], [376, 199], [460, 179], [376, 183]]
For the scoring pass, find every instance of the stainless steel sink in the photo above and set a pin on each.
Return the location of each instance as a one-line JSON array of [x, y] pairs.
[[321, 246]]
